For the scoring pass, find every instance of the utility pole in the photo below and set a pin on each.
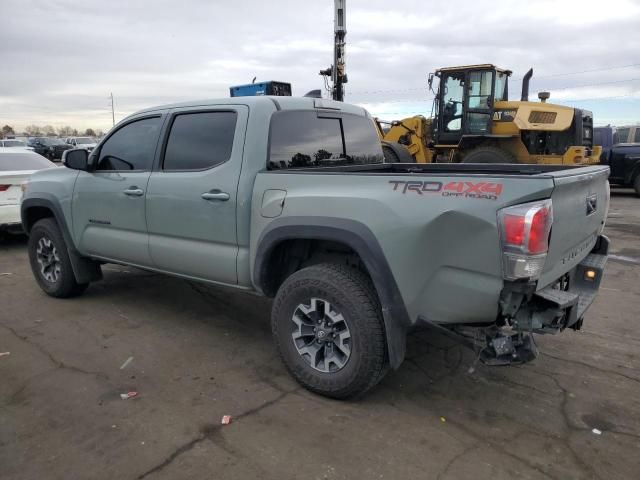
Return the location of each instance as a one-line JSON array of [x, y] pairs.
[[113, 115], [337, 71]]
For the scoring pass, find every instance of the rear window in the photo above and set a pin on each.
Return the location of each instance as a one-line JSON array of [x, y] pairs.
[[23, 161], [306, 139]]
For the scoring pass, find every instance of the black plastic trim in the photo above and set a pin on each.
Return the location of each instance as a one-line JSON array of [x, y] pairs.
[[358, 237], [84, 269]]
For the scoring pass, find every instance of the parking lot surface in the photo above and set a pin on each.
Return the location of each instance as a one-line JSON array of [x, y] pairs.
[[200, 352]]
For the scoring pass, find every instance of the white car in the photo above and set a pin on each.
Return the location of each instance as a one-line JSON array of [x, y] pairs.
[[88, 143], [16, 165], [14, 143]]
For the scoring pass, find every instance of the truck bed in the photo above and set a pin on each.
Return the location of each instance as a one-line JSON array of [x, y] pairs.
[[437, 223], [499, 169]]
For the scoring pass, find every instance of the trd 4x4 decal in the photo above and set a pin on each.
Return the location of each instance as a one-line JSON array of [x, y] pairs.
[[484, 190]]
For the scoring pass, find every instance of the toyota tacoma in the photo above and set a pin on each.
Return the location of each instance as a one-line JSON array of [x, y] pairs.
[[291, 198]]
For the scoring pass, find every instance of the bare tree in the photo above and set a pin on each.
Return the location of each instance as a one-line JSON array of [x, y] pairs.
[[65, 131], [75, 132], [33, 130], [90, 132], [48, 130]]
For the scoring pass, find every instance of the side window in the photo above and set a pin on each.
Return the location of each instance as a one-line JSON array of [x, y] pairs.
[[200, 140], [302, 139], [636, 136], [621, 135], [132, 147]]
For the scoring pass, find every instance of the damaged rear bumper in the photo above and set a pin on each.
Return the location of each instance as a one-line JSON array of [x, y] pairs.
[[525, 311], [564, 303]]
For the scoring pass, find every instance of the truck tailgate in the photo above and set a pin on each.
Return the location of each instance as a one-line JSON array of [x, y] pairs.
[[580, 204]]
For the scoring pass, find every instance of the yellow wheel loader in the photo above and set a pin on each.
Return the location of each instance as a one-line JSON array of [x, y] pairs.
[[474, 122]]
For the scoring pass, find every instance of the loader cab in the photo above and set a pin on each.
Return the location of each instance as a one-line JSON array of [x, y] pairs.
[[465, 101]]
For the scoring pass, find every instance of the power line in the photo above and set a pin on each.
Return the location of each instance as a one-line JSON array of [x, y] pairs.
[[535, 77], [600, 69]]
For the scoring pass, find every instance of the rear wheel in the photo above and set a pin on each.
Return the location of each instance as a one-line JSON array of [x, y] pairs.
[[50, 261], [327, 325], [636, 185], [489, 155]]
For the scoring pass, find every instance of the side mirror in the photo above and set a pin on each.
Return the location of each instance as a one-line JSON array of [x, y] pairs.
[[76, 159]]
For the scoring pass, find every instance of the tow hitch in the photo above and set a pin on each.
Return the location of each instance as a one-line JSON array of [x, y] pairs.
[[509, 349]]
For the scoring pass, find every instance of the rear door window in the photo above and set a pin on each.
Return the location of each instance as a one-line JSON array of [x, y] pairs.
[[198, 141], [305, 139]]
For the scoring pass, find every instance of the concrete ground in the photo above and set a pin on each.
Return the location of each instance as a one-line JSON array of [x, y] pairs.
[[200, 353]]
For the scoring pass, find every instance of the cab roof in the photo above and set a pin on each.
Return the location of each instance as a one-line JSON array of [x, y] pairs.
[[480, 66], [279, 103]]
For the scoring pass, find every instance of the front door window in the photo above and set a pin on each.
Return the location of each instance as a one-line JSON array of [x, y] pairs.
[[452, 102]]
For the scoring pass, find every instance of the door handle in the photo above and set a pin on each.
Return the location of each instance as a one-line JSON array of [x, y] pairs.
[[134, 192], [215, 195]]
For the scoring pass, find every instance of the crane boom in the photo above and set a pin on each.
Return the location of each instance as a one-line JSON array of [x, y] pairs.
[[337, 71]]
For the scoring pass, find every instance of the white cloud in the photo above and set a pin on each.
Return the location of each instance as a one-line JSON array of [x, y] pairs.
[[61, 58]]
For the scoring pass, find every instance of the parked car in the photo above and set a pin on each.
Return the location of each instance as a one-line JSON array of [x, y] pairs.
[[289, 197], [16, 165], [88, 143], [12, 143], [624, 162], [49, 147]]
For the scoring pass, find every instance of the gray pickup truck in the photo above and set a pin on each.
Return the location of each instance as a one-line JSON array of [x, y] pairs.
[[289, 197]]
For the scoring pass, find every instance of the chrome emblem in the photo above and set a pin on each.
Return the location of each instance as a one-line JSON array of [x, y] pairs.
[[592, 204]]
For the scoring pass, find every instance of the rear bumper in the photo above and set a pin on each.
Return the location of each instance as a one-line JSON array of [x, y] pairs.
[[564, 303]]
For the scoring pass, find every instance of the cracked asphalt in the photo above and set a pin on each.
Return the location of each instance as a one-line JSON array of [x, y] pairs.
[[200, 353]]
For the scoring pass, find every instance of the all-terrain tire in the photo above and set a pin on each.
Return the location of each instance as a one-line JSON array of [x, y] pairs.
[[489, 155], [62, 283], [350, 293]]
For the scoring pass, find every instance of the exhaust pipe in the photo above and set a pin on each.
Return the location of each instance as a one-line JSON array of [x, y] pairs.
[[525, 85]]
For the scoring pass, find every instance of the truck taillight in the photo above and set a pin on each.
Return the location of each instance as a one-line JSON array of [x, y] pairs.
[[524, 235]]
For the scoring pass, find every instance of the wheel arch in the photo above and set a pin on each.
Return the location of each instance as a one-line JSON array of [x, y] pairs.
[[47, 206], [357, 238]]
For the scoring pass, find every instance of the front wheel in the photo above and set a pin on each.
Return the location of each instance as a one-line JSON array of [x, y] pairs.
[[50, 261], [328, 328], [636, 185]]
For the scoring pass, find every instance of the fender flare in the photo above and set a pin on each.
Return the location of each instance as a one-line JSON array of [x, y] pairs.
[[360, 239], [84, 269]]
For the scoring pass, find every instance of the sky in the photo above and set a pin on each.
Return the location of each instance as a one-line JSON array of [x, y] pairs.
[[61, 59]]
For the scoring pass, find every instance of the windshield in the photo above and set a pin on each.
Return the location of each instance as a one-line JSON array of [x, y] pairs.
[[14, 143], [84, 141], [23, 161], [52, 141]]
